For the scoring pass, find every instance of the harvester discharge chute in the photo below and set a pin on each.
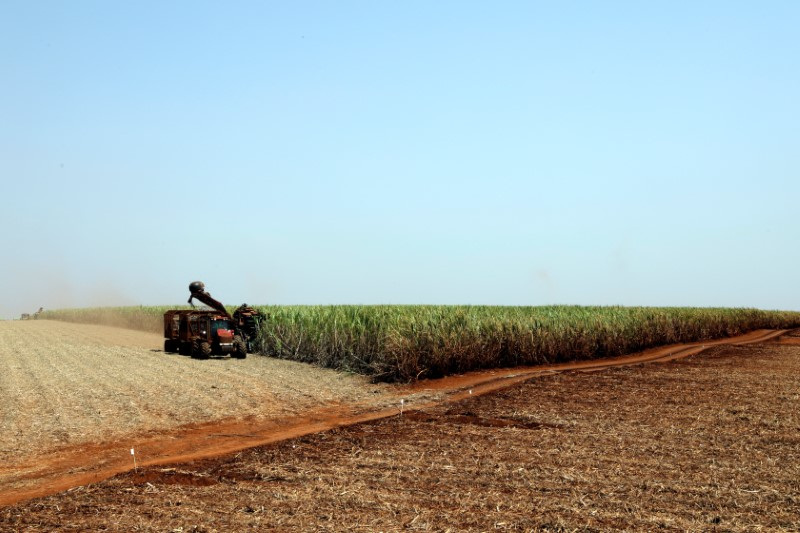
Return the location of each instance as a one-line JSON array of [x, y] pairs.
[[198, 291]]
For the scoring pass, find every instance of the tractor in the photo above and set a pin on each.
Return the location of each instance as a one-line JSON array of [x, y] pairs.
[[203, 333]]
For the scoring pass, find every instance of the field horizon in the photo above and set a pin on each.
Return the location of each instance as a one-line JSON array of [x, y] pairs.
[[406, 343]]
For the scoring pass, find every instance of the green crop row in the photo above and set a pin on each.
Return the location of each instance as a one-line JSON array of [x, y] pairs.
[[411, 342]]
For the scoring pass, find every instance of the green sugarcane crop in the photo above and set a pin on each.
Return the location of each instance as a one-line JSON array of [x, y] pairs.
[[404, 343]]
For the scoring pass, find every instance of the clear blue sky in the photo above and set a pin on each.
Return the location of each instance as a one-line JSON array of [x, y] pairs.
[[513, 153]]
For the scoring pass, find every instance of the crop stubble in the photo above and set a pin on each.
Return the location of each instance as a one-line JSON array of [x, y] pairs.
[[709, 442], [65, 384]]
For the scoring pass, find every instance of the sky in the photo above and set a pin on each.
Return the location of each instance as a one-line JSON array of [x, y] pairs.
[[415, 152]]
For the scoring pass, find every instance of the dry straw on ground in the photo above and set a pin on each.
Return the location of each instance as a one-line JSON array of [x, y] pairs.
[[704, 444], [64, 384]]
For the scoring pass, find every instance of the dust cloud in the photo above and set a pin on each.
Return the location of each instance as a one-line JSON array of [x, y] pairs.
[[28, 289]]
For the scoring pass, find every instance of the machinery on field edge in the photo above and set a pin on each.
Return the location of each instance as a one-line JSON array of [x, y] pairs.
[[34, 316], [201, 333]]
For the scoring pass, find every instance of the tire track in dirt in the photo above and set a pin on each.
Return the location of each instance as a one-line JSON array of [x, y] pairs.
[[91, 463]]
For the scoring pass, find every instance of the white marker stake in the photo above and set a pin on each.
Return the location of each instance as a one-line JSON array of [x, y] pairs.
[[401, 406], [134, 460]]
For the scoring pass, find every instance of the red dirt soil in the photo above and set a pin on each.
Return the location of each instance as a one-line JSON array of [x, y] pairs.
[[84, 464]]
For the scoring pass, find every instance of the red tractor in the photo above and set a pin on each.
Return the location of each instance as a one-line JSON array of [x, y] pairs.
[[201, 334], [211, 332]]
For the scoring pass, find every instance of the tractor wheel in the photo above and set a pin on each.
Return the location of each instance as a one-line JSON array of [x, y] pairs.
[[201, 350], [239, 348], [205, 350]]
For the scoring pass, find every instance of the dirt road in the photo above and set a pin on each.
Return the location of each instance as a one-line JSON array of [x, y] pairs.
[[80, 397]]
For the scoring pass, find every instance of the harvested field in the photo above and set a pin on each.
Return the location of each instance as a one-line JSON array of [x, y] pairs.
[[705, 443], [66, 384]]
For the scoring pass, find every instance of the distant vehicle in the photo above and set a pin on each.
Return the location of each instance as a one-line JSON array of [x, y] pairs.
[[203, 333], [34, 316]]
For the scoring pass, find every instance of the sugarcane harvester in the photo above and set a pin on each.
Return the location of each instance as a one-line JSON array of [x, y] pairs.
[[206, 332]]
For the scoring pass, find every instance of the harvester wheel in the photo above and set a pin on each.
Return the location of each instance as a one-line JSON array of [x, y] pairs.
[[184, 348], [239, 348], [169, 346], [201, 350]]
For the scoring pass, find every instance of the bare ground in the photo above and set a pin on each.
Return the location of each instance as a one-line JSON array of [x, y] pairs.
[[706, 443]]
